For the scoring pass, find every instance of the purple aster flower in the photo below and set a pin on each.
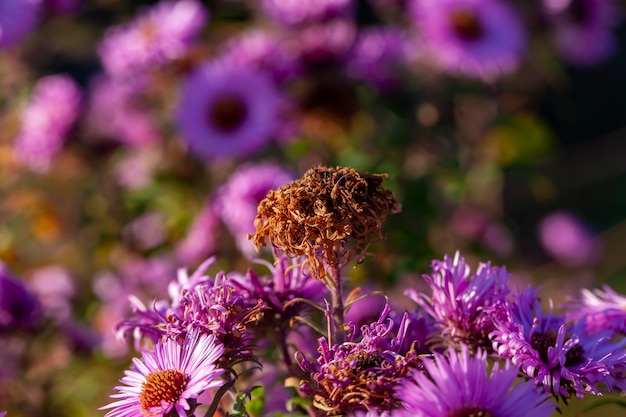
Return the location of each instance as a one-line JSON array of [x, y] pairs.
[[463, 304], [378, 54], [17, 19], [295, 12], [262, 49], [168, 380], [19, 308], [600, 309], [228, 112], [568, 239], [46, 121], [213, 305], [560, 356], [237, 200], [114, 113], [156, 36], [465, 384], [582, 29], [361, 373], [476, 38]]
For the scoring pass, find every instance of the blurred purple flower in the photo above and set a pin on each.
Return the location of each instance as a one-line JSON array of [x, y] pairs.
[[463, 304], [228, 112], [114, 113], [600, 310], [136, 169], [54, 287], [324, 42], [201, 239], [295, 12], [19, 308], [378, 54], [566, 238], [561, 357], [146, 231], [236, 201], [582, 29], [262, 49], [46, 121], [476, 38], [464, 384], [168, 380], [17, 19], [156, 36]]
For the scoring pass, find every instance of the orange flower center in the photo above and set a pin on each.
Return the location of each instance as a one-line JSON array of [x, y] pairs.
[[164, 385]]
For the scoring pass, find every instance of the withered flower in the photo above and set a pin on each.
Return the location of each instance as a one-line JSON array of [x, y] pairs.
[[330, 216]]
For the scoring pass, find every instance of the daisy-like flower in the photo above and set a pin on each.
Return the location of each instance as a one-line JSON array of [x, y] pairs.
[[168, 380], [294, 12], [600, 310], [582, 30], [17, 19], [463, 304], [237, 200], [228, 112], [560, 356], [46, 120], [156, 36], [476, 38], [459, 383], [363, 372]]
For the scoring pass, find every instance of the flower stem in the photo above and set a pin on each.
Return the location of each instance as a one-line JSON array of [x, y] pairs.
[[336, 295]]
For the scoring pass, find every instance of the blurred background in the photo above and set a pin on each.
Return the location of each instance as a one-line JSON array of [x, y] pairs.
[[137, 137]]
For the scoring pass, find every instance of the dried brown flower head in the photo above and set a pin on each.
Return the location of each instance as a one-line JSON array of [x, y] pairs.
[[330, 215]]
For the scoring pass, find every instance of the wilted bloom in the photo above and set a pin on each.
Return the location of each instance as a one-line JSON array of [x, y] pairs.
[[227, 112], [19, 308], [330, 215], [583, 29], [560, 356], [236, 201], [463, 304], [600, 309], [169, 378], [46, 121], [363, 372], [460, 383], [156, 36], [476, 38], [568, 239], [17, 19], [294, 12]]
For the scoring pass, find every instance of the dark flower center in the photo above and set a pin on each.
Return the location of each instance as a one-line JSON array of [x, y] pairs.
[[580, 11], [163, 385], [465, 23], [470, 411], [365, 360], [543, 340], [227, 113]]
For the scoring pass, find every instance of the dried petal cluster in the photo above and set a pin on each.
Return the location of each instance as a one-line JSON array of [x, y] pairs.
[[330, 215]]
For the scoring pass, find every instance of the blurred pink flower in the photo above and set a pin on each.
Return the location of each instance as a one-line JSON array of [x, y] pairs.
[[46, 121], [567, 239], [200, 241], [54, 287], [294, 12]]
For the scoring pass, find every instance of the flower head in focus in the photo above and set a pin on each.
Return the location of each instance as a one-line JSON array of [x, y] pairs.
[[167, 380], [476, 38], [46, 121], [17, 19], [156, 36], [463, 304], [330, 215], [227, 112], [458, 383]]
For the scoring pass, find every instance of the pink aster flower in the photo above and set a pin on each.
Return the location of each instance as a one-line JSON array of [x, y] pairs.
[[463, 384], [567, 239], [237, 200], [600, 310], [582, 30], [17, 19], [46, 121], [156, 36], [168, 380], [476, 38], [228, 112]]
